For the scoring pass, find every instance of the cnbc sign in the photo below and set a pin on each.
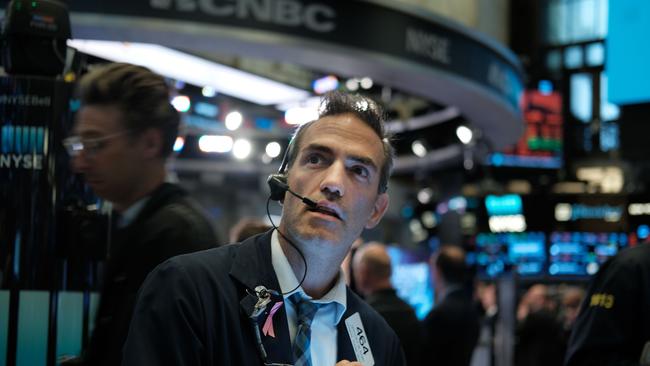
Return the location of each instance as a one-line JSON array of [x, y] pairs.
[[22, 147]]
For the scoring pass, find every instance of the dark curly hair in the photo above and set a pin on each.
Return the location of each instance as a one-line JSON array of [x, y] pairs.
[[367, 110]]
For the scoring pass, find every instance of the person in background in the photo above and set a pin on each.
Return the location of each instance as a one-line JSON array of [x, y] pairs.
[[247, 227], [280, 298], [451, 329], [488, 308], [372, 271], [539, 335], [613, 326], [572, 297], [346, 266], [123, 134]]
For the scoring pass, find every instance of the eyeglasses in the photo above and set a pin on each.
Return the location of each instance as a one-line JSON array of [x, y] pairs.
[[74, 145]]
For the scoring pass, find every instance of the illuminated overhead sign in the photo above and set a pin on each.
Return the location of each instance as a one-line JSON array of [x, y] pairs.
[[574, 212], [509, 204], [638, 209], [541, 144], [507, 224], [22, 147]]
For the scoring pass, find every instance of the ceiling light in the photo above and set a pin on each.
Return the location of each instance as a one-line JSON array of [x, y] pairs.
[[273, 149], [352, 84], [325, 84], [366, 83], [424, 195], [242, 149], [194, 70], [181, 103], [208, 91], [215, 143], [179, 143], [429, 219], [418, 148], [464, 134], [233, 120], [300, 115]]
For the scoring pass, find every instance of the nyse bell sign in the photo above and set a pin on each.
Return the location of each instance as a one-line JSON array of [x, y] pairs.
[[24, 130], [33, 169]]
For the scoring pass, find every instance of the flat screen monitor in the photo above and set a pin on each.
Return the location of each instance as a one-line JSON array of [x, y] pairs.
[[412, 278], [527, 253], [627, 53], [541, 144], [495, 254], [582, 253]]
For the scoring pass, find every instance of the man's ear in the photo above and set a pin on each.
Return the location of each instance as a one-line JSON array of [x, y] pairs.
[[151, 140], [381, 205]]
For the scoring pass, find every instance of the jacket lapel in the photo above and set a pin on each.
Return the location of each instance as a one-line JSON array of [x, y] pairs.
[[345, 351], [252, 267]]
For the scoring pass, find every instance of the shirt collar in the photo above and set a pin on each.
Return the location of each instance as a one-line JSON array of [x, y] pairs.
[[288, 281], [129, 215]]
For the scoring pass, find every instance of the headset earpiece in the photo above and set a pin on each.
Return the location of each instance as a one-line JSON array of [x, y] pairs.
[[278, 185]]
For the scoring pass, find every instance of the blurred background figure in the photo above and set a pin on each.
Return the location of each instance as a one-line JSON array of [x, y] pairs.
[[539, 334], [123, 135], [451, 329], [247, 227], [570, 307], [346, 266], [486, 298], [372, 270]]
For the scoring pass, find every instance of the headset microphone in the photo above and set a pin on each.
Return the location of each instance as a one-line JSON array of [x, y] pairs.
[[278, 185]]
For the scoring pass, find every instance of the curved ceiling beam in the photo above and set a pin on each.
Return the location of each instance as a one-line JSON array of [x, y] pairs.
[[398, 46]]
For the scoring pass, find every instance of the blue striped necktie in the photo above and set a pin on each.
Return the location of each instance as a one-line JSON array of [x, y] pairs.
[[305, 312]]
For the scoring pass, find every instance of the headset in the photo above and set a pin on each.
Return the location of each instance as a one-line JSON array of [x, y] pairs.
[[279, 187], [278, 182]]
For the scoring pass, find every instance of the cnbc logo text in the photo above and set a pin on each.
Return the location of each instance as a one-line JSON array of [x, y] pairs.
[[22, 147]]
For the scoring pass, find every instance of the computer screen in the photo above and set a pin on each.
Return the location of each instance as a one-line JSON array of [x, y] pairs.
[[495, 254], [412, 278], [541, 144], [582, 253], [626, 53]]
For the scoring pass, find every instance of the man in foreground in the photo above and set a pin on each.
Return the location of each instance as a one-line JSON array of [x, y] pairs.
[[279, 298]]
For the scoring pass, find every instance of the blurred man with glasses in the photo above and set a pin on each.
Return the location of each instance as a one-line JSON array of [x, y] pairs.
[[124, 132]]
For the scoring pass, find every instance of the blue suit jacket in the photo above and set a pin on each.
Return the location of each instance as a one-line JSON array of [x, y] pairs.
[[193, 310]]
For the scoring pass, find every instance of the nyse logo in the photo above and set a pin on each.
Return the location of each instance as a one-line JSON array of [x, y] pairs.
[[22, 147]]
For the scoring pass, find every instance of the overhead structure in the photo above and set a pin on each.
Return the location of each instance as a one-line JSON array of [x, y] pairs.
[[392, 43]]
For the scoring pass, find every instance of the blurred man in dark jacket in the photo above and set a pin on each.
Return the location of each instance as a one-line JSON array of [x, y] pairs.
[[372, 270], [124, 132], [452, 328]]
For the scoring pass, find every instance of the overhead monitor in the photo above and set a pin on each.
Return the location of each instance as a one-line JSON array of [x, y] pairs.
[[627, 53], [582, 253], [412, 278], [496, 254], [541, 144]]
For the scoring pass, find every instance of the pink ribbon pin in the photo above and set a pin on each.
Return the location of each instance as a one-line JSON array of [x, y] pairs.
[[267, 329]]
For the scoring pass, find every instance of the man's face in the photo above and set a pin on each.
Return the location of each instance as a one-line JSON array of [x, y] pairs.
[[111, 159], [337, 165]]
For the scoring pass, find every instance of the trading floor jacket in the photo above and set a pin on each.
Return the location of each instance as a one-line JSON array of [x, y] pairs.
[[170, 223], [614, 321], [194, 310], [451, 330]]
